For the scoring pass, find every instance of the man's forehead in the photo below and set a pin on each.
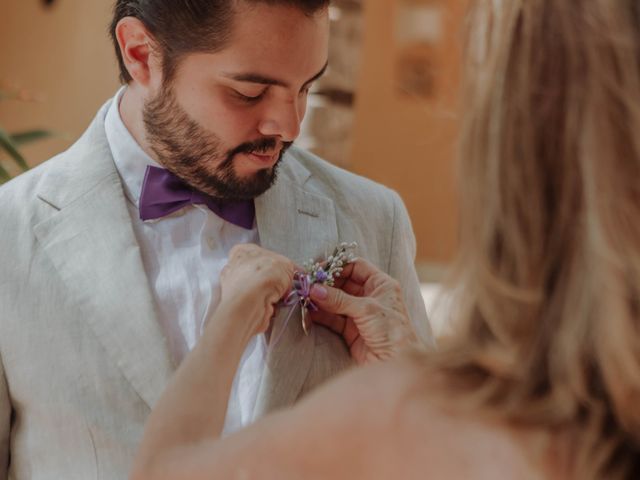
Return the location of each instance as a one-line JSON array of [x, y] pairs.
[[274, 46], [276, 54]]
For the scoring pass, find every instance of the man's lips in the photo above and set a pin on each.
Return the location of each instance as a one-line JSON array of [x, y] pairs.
[[265, 158]]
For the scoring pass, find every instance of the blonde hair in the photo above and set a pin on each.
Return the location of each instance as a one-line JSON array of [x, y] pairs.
[[548, 279]]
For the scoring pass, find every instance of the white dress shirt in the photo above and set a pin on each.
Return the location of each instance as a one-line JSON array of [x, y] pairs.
[[183, 255]]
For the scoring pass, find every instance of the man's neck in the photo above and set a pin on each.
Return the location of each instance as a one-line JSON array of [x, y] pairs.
[[131, 108]]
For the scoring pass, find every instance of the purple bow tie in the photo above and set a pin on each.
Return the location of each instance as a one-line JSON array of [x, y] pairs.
[[163, 193]]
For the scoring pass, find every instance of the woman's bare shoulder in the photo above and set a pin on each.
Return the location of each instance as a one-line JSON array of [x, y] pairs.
[[394, 427], [371, 423]]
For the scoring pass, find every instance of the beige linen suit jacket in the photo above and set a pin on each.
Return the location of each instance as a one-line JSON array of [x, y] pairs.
[[82, 357]]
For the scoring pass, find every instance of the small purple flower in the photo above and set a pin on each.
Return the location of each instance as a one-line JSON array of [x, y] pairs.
[[323, 272], [321, 276]]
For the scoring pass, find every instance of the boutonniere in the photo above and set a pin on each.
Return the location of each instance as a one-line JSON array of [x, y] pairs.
[[324, 272]]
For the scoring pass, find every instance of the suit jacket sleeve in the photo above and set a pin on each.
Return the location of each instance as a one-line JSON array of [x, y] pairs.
[[5, 425], [402, 268]]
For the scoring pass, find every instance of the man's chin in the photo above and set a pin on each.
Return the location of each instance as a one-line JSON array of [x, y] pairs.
[[251, 174], [250, 186]]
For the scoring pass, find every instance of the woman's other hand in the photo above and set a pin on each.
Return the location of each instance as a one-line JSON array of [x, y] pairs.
[[367, 310], [255, 280]]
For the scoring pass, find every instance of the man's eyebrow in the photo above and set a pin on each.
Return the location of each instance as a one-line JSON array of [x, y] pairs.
[[261, 79]]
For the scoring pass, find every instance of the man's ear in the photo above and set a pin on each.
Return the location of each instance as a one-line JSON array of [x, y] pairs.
[[139, 53]]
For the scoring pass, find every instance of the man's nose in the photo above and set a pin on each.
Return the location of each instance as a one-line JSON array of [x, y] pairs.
[[282, 120]]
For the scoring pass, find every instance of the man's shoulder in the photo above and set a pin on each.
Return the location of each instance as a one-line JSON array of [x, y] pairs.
[[27, 184], [65, 175], [24, 188], [23, 207]]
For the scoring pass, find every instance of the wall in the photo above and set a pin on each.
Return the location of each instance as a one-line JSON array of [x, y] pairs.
[[409, 144], [61, 54]]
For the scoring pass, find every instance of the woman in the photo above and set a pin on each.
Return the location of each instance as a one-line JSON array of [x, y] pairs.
[[542, 379]]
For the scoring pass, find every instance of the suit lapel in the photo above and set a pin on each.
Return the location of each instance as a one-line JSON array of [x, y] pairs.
[[91, 243], [300, 225]]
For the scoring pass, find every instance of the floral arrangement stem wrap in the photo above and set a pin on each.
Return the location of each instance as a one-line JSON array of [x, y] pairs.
[[323, 272]]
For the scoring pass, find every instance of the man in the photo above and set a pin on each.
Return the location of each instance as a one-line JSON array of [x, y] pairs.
[[111, 251]]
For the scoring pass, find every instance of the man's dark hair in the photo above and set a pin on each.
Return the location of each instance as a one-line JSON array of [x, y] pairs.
[[188, 26]]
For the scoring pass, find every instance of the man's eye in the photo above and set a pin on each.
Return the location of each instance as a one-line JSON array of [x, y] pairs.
[[248, 98]]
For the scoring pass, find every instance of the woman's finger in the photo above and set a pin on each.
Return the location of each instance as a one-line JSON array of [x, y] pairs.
[[334, 300]]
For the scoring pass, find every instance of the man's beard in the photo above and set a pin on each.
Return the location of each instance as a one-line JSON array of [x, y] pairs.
[[195, 155]]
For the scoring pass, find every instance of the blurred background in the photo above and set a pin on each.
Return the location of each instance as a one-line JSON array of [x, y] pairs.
[[386, 108]]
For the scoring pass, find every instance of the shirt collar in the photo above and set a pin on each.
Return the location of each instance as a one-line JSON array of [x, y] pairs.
[[130, 159]]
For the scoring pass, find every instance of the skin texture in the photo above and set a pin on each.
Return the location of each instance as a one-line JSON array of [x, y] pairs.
[[251, 94]]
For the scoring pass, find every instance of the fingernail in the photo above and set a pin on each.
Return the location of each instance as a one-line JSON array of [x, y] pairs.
[[319, 292]]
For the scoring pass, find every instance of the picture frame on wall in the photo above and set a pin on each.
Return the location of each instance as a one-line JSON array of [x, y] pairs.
[[418, 33]]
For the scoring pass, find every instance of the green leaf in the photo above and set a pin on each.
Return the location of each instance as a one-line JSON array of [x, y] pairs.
[[21, 138], [6, 95], [4, 175], [10, 148]]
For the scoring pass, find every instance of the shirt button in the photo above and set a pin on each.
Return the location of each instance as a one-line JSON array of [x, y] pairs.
[[211, 242]]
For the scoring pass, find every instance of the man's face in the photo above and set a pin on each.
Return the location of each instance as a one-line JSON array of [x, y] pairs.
[[224, 121]]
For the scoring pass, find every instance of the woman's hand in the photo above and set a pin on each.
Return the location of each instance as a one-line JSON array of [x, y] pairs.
[[255, 280], [192, 409], [367, 310]]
